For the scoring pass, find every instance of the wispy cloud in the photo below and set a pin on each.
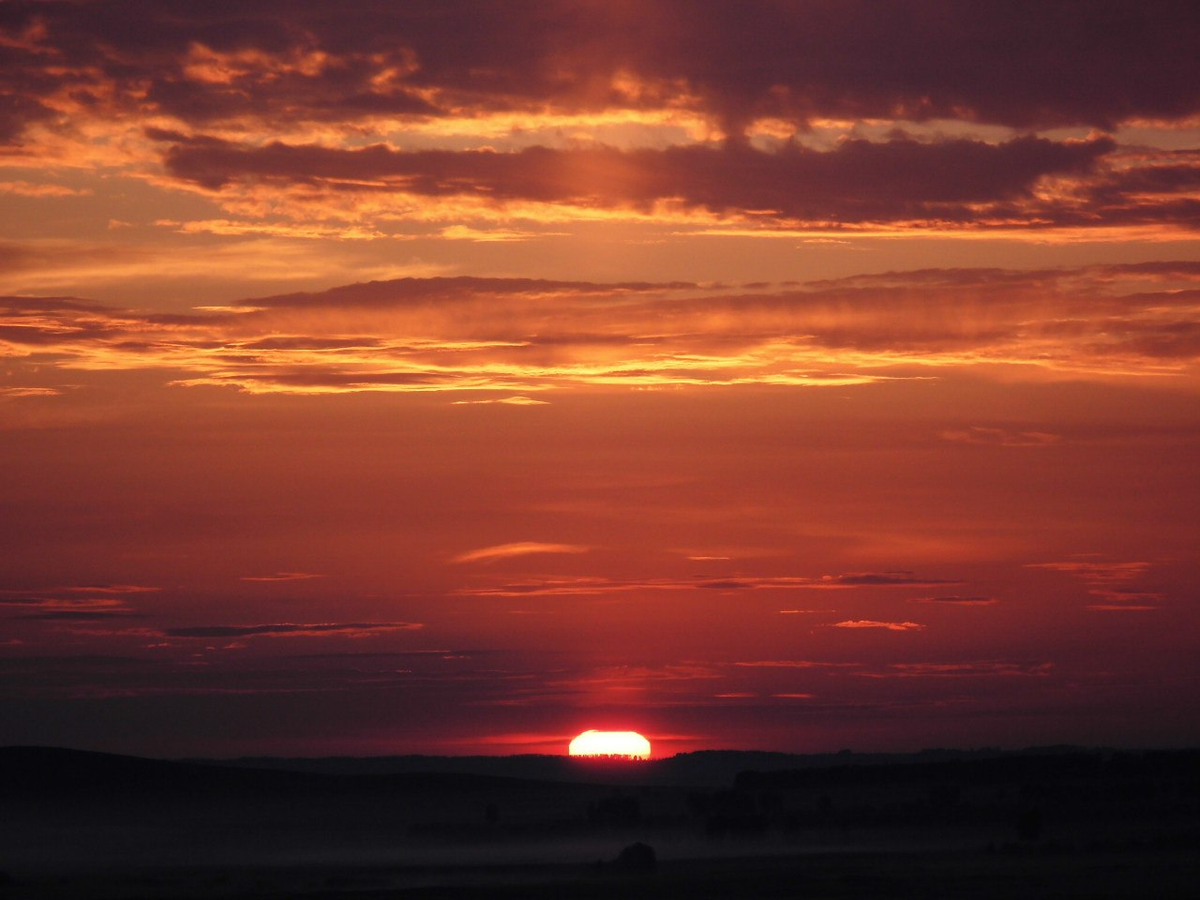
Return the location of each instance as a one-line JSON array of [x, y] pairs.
[[588, 584], [33, 189], [795, 664], [984, 668], [81, 603], [978, 434], [517, 400], [887, 626], [1112, 581], [505, 339], [956, 600], [289, 629], [519, 548], [283, 576], [882, 579]]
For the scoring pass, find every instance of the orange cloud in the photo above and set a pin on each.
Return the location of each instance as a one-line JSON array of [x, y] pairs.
[[518, 336], [518, 400], [31, 189], [520, 548], [888, 626]]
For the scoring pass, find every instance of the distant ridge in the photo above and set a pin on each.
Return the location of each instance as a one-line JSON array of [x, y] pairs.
[[56, 771], [82, 775], [697, 768]]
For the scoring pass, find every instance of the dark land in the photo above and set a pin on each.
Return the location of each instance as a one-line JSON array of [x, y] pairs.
[[1044, 822]]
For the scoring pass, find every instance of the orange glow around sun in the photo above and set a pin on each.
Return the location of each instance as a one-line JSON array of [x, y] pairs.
[[628, 744]]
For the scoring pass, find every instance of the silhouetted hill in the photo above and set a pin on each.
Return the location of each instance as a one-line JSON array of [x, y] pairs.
[[703, 768], [1052, 766], [52, 773]]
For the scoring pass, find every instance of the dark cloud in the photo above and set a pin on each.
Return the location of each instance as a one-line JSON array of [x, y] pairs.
[[283, 576], [1023, 64], [957, 600], [598, 585], [442, 290], [884, 579], [285, 628], [860, 181], [962, 669], [82, 615], [796, 664]]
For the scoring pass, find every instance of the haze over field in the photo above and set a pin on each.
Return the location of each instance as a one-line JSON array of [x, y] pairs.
[[404, 378]]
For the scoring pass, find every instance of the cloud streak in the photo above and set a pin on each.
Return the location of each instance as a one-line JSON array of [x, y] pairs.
[[81, 603], [520, 335], [901, 180], [519, 548], [291, 629], [283, 576], [598, 585], [885, 626], [1113, 582], [956, 600]]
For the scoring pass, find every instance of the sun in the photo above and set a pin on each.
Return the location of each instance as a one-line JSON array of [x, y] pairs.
[[626, 744]]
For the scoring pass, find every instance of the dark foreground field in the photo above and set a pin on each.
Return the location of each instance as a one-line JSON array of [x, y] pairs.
[[1082, 824], [980, 875]]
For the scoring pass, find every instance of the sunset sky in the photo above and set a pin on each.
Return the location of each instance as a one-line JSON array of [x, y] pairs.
[[453, 377]]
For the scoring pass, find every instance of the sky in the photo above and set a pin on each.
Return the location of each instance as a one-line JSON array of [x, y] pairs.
[[384, 378]]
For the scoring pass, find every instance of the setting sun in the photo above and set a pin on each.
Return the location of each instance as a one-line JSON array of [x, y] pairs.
[[610, 743]]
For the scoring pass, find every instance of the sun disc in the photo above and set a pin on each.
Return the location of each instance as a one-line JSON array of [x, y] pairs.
[[627, 744]]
